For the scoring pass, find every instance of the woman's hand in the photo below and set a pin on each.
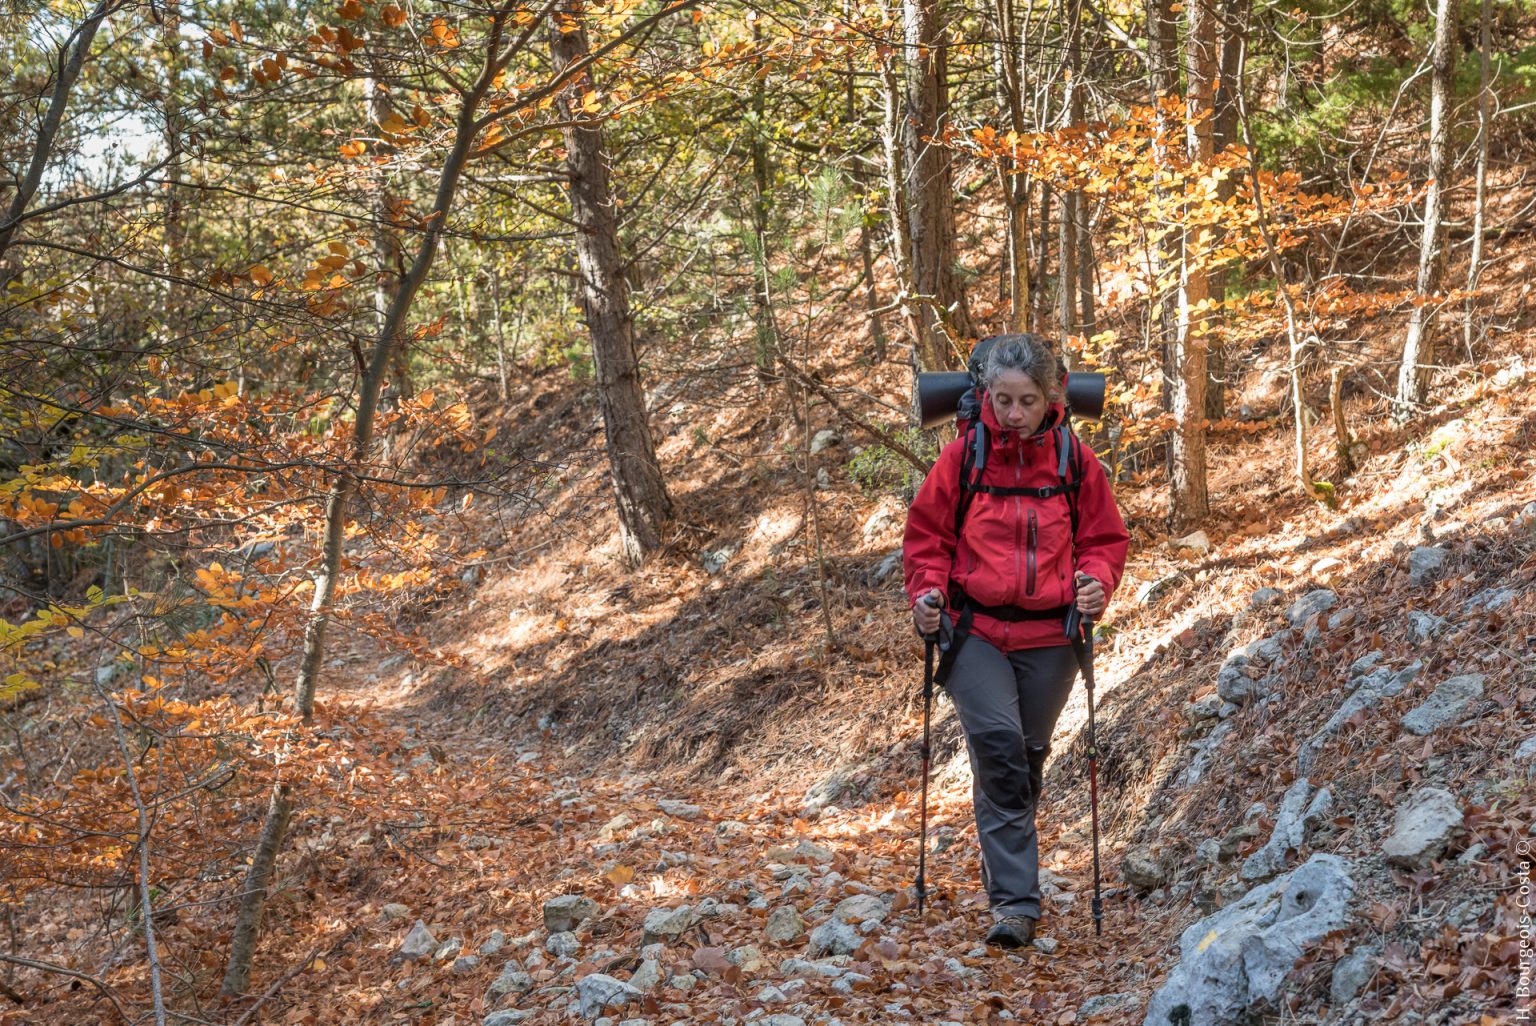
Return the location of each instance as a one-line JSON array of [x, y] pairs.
[[1091, 599], [927, 611]]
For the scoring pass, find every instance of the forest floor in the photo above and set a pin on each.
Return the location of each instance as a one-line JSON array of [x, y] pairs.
[[689, 734]]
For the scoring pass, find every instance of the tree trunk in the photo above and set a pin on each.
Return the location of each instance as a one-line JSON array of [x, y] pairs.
[[1480, 201], [891, 140], [943, 317], [1162, 77], [1009, 70], [389, 257], [1224, 130], [866, 242], [391, 333], [1189, 501], [69, 67], [173, 242], [640, 493], [1043, 255], [1419, 346]]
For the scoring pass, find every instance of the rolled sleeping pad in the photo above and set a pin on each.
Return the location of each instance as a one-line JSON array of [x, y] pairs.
[[939, 392]]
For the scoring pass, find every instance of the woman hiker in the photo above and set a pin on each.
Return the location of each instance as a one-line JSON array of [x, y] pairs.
[[1040, 533]]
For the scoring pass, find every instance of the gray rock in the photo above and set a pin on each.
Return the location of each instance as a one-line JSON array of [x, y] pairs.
[[885, 568], [860, 908], [1309, 605], [1046, 945], [748, 958], [1298, 809], [466, 963], [800, 851], [563, 944], [834, 937], [1445, 705], [1423, 828], [831, 968], [647, 976], [784, 925], [599, 992], [1491, 600], [1143, 870], [1233, 963], [1366, 663], [1423, 626], [567, 912], [508, 1017], [450, 948], [494, 943], [715, 560], [1233, 842], [1103, 1004], [1425, 564], [1207, 708], [1351, 973], [1204, 751], [513, 980], [1369, 691], [1526, 750], [666, 924], [393, 911], [825, 439], [1235, 682], [780, 1019], [844, 984], [1199, 542], [1265, 597], [419, 943], [677, 809]]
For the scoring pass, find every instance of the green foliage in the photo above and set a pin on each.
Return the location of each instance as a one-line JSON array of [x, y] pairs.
[[1321, 125], [578, 359], [878, 470]]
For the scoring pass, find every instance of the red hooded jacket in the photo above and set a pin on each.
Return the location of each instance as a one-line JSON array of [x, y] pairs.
[[1014, 550]]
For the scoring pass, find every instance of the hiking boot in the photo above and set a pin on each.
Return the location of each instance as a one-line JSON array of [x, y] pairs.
[[1012, 932]]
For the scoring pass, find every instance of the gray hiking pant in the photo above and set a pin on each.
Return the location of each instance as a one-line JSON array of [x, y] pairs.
[[1008, 705]]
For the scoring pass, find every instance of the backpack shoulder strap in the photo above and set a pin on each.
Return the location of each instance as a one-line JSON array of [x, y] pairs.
[[972, 465], [1069, 468]]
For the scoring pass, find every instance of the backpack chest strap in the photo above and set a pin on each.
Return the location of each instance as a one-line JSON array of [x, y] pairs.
[[1031, 493]]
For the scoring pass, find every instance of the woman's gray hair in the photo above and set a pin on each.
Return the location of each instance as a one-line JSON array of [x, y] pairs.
[[1026, 353]]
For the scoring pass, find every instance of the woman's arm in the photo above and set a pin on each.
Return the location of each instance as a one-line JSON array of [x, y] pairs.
[[1101, 541], [928, 547]]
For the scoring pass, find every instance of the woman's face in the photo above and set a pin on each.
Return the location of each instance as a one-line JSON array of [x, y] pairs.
[[1017, 402]]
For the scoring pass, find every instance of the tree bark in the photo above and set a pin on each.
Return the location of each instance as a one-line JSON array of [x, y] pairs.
[[391, 333], [1009, 67], [1480, 200], [943, 316], [1419, 346], [1224, 130], [1189, 500], [640, 493], [71, 60]]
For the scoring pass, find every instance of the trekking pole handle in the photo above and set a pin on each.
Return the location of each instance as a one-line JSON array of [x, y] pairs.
[[942, 635], [1077, 623]]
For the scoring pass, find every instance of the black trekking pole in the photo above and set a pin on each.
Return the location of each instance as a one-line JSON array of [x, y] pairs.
[[1080, 630], [941, 640]]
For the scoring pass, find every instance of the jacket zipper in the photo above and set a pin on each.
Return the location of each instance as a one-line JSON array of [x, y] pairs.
[[1034, 538]]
